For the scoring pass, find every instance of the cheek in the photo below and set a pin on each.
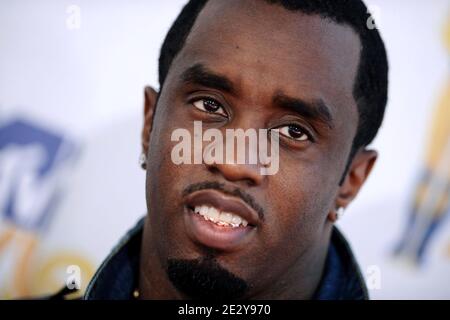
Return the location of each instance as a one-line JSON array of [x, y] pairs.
[[162, 173], [168, 118], [165, 182], [299, 202]]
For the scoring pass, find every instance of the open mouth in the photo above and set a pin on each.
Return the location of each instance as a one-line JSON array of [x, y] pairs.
[[220, 218], [219, 221]]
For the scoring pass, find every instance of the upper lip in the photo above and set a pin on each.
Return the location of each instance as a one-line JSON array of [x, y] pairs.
[[223, 202]]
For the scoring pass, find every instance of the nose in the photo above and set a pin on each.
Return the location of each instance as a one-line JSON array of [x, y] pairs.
[[241, 164], [246, 173]]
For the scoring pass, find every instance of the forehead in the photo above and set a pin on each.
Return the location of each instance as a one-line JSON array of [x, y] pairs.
[[264, 48]]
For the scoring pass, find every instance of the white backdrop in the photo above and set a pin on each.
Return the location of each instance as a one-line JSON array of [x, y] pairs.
[[78, 68]]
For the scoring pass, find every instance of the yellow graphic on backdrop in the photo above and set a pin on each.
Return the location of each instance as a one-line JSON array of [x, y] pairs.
[[34, 276], [432, 192]]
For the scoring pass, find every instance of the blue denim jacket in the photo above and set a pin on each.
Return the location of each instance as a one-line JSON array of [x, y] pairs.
[[117, 277]]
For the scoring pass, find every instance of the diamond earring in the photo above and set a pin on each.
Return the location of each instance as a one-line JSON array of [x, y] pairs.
[[143, 161], [340, 212]]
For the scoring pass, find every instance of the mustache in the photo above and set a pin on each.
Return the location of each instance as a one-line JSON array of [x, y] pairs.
[[236, 192]]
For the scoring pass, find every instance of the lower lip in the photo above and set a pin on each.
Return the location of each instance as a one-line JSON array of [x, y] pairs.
[[214, 236]]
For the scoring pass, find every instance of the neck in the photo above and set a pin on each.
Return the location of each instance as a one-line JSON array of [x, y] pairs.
[[302, 278], [153, 281]]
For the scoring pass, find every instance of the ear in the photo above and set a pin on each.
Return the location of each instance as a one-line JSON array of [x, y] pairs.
[[150, 99], [357, 173]]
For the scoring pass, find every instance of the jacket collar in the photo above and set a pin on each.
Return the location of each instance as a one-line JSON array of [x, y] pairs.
[[117, 277]]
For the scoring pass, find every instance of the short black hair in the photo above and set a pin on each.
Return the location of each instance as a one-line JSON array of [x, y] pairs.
[[371, 84]]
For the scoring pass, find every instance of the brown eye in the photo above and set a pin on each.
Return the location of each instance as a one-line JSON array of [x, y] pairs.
[[293, 132], [210, 106]]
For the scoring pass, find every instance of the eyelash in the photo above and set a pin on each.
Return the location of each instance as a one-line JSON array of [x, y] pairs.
[[303, 132], [219, 105], [210, 100]]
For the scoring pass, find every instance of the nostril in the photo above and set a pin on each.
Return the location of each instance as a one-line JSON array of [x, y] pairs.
[[214, 170], [250, 182]]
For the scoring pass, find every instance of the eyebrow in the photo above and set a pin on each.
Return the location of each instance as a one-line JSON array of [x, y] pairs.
[[200, 75], [314, 110]]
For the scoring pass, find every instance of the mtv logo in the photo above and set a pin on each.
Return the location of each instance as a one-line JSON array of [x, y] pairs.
[[33, 161]]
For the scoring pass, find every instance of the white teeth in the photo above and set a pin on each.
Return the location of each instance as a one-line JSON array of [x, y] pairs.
[[213, 214], [203, 211], [221, 218], [225, 217], [236, 220]]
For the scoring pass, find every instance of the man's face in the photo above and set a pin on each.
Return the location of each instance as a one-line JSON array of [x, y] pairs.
[[252, 65]]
